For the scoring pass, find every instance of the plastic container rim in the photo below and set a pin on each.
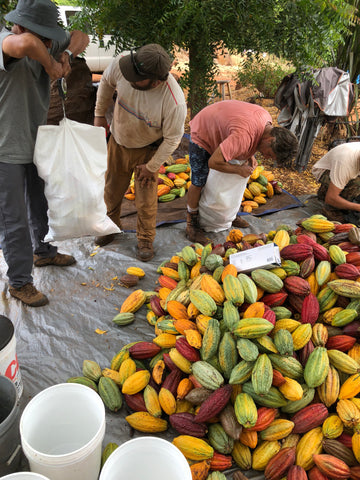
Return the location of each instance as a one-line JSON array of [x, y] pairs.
[[75, 455]]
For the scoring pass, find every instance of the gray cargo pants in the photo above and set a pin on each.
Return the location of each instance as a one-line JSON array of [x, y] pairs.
[[23, 220]]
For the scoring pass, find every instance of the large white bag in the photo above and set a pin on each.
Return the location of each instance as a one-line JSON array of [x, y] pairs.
[[221, 199], [71, 158]]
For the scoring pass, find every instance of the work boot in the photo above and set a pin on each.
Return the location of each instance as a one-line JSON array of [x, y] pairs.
[[145, 251], [193, 231], [240, 222], [29, 295], [104, 240], [60, 260]]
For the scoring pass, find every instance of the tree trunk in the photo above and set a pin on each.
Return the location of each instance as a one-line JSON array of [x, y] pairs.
[[200, 76]]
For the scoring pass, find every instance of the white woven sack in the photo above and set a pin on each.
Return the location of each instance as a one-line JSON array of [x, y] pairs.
[[71, 158], [221, 199]]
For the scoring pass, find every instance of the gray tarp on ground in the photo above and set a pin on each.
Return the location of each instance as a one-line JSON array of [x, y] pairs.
[[53, 341]]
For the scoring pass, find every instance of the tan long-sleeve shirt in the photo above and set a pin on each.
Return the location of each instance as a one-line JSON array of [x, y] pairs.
[[142, 117]]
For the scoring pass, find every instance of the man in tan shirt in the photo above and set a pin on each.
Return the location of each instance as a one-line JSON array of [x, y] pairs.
[[147, 126], [338, 172]]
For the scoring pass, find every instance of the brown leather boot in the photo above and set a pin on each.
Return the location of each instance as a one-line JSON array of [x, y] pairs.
[[60, 260], [145, 251], [193, 231], [29, 295]]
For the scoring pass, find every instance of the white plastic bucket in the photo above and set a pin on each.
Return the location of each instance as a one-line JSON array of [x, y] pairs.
[[24, 476], [9, 365], [62, 429], [10, 448], [146, 457]]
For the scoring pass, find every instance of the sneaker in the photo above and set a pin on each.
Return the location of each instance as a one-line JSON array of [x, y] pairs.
[[29, 295], [239, 222], [60, 260], [104, 240], [145, 251]]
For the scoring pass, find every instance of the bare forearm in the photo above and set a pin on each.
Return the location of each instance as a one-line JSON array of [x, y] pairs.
[[242, 170], [27, 45], [218, 162], [78, 42], [342, 203]]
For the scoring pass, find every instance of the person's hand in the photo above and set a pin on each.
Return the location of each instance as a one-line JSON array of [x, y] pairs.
[[55, 69], [144, 176], [64, 59], [245, 170], [253, 162]]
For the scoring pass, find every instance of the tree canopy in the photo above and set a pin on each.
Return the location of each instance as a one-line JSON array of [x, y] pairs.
[[306, 32], [309, 33]]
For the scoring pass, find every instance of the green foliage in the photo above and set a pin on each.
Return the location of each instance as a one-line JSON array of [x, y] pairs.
[[68, 3], [348, 53], [306, 32], [264, 73], [6, 6]]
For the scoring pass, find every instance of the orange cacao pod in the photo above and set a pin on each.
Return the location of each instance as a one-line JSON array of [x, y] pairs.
[[220, 462], [332, 467], [200, 470], [265, 417]]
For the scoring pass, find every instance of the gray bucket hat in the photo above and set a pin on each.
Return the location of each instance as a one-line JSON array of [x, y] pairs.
[[38, 16]]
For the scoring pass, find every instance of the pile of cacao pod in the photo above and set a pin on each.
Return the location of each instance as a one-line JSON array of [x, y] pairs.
[[260, 187], [173, 181], [258, 370]]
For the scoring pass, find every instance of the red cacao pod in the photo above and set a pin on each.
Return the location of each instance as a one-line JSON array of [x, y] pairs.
[[297, 252], [297, 285], [310, 309], [340, 342], [309, 417], [278, 466], [143, 350], [296, 473], [184, 424], [186, 350], [214, 404]]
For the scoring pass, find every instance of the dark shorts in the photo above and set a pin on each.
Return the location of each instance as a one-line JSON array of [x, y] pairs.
[[199, 163], [351, 193]]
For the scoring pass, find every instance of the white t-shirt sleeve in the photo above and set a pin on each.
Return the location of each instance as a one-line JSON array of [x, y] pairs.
[[343, 162]]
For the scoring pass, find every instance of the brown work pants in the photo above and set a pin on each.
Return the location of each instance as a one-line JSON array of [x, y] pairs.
[[121, 163]]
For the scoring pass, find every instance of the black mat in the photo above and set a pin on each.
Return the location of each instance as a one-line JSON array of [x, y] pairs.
[[175, 211]]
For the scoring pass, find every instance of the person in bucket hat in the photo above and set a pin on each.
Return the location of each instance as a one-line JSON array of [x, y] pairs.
[[36, 50], [147, 126]]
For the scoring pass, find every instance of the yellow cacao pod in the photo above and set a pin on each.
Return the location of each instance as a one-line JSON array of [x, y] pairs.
[[144, 422]]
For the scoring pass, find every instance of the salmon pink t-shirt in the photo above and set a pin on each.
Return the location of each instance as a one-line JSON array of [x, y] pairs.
[[237, 127]]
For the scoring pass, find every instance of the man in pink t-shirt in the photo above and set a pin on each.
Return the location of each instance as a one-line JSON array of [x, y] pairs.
[[231, 130]]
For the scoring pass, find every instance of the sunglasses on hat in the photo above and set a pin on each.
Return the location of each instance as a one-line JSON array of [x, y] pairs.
[[136, 65]]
